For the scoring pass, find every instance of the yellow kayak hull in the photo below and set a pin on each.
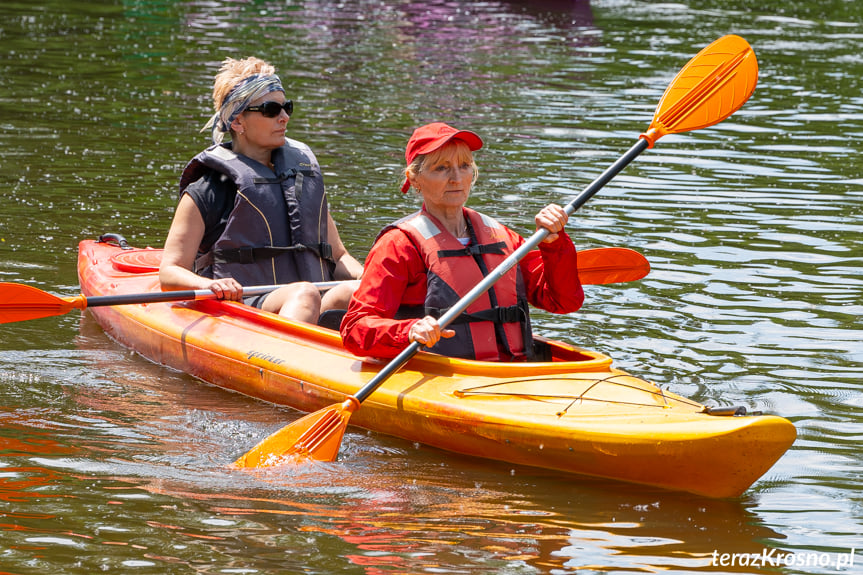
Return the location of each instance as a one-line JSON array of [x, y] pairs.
[[576, 414]]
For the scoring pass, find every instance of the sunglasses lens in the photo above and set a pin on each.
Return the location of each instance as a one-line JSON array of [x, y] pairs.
[[273, 109]]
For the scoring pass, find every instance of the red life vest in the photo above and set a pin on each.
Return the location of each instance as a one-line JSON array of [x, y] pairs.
[[499, 319]]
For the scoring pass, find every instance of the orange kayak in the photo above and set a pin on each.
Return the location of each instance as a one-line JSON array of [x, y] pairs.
[[576, 414]]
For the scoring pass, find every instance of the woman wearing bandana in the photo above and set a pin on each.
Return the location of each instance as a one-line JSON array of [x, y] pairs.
[[253, 211]]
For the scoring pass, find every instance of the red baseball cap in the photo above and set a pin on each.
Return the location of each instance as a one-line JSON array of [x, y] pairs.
[[428, 138]]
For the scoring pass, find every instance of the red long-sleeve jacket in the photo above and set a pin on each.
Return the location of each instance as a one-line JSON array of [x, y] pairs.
[[395, 275]]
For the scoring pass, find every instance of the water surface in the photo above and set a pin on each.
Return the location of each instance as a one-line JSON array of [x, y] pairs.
[[752, 227]]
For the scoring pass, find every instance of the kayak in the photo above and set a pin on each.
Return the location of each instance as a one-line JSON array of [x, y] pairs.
[[575, 414]]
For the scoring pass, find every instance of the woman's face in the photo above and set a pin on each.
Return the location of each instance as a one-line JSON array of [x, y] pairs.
[[446, 177], [261, 131]]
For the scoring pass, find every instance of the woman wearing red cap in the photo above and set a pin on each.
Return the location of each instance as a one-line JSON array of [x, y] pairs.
[[423, 264]]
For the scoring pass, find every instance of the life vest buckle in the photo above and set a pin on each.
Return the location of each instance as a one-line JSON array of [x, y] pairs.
[[245, 255]]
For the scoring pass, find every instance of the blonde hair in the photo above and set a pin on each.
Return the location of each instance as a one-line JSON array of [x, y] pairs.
[[232, 72], [463, 154]]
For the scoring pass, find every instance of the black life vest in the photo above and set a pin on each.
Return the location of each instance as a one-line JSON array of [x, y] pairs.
[[277, 230], [499, 318]]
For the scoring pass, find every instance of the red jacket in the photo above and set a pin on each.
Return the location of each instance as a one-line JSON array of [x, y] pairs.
[[395, 275]]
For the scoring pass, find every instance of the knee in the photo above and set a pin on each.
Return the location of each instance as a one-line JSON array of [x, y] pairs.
[[307, 293], [340, 296], [300, 300]]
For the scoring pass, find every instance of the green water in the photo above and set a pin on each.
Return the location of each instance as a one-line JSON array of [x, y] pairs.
[[752, 227]]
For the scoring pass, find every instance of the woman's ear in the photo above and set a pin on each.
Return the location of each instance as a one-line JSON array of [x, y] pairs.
[[237, 126], [411, 177]]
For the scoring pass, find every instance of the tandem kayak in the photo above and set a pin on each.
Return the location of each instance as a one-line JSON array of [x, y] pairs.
[[575, 414]]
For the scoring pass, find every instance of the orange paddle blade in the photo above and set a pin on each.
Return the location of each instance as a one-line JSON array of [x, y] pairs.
[[19, 302], [711, 87], [316, 436], [611, 265]]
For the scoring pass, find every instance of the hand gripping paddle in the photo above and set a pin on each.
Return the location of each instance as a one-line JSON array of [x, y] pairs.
[[711, 87]]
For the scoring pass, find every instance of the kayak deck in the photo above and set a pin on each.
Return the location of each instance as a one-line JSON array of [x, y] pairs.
[[576, 414]]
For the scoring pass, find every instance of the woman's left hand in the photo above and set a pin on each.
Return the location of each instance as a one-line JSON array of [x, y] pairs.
[[553, 218], [428, 332]]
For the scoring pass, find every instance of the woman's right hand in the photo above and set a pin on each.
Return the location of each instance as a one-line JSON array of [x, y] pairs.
[[427, 331], [227, 288], [553, 218]]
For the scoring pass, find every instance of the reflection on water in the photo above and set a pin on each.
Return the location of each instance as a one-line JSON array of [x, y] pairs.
[[389, 506], [752, 228], [145, 484]]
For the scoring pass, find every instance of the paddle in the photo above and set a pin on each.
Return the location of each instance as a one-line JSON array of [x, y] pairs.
[[599, 266], [19, 302], [711, 87]]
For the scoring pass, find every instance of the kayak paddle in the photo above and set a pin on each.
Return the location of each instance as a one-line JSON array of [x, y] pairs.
[[711, 87], [19, 302], [599, 266]]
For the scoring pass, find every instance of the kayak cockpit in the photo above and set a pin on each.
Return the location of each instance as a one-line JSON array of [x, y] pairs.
[[558, 357], [565, 358]]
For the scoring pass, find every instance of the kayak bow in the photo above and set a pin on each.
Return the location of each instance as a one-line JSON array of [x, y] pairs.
[[576, 414]]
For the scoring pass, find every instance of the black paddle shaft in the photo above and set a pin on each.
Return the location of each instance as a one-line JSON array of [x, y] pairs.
[[185, 295], [531, 243]]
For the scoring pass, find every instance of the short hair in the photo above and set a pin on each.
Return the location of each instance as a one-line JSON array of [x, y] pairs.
[[233, 72], [463, 152]]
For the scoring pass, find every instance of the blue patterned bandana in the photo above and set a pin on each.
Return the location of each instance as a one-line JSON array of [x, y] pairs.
[[237, 100]]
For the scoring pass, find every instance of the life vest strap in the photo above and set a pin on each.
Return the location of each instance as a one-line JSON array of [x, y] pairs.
[[497, 315], [496, 248], [284, 176], [501, 315], [251, 255]]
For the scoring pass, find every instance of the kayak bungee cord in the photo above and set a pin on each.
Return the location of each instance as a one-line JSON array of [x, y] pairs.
[[709, 88]]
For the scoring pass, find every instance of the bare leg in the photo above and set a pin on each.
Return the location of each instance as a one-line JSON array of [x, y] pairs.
[[299, 301], [339, 296]]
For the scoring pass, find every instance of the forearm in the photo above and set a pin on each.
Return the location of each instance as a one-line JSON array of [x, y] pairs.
[[394, 276], [551, 275], [348, 268], [369, 327], [365, 334], [175, 277]]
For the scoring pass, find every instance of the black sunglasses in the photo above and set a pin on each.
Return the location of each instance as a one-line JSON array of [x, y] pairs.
[[272, 109]]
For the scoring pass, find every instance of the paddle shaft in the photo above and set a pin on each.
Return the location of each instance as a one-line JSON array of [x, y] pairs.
[[189, 295], [184, 295], [497, 273], [711, 87]]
